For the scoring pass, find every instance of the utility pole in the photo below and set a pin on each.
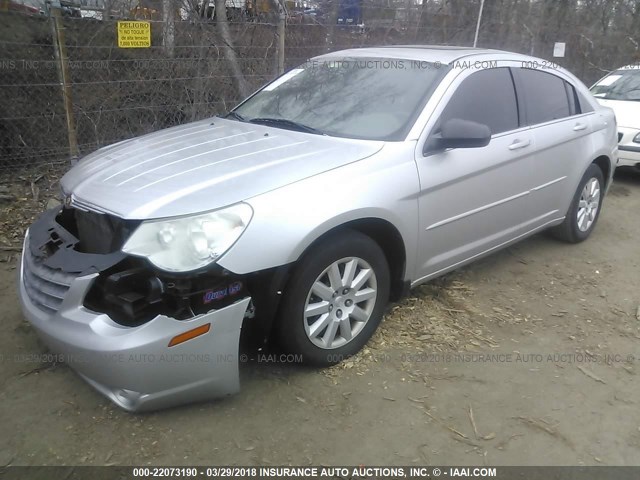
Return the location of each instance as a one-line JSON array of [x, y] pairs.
[[475, 40], [62, 65]]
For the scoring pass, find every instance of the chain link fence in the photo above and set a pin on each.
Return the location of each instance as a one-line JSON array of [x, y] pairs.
[[118, 93]]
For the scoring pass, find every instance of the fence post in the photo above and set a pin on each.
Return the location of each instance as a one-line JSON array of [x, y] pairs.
[[62, 65]]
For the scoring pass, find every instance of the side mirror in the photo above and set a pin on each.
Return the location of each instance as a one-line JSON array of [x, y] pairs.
[[457, 133]]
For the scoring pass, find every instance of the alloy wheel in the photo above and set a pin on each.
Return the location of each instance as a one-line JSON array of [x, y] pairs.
[[340, 303], [588, 204]]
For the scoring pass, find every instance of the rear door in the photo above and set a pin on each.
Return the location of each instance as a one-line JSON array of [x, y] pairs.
[[474, 199], [561, 131]]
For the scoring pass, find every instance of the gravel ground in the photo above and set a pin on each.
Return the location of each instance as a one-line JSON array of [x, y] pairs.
[[527, 357]]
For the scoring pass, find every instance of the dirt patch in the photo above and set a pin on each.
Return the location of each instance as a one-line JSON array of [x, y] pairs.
[[24, 196], [437, 317], [527, 357]]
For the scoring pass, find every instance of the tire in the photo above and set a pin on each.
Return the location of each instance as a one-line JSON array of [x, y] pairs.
[[316, 318], [575, 229]]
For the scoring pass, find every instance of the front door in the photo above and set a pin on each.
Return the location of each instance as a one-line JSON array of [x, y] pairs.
[[475, 199]]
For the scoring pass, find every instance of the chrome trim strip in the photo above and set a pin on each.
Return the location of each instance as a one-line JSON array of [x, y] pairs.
[[552, 182], [477, 210], [494, 204]]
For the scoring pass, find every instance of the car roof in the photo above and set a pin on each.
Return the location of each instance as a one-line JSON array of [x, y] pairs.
[[429, 53]]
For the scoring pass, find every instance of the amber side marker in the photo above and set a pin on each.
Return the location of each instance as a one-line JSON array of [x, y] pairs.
[[183, 337]]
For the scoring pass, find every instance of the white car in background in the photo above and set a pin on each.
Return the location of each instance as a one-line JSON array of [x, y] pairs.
[[620, 90]]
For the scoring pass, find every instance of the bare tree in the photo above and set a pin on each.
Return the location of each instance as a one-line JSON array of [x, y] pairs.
[[168, 26], [228, 49], [280, 13]]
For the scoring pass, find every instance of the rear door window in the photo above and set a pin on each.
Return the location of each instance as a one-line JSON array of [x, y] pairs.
[[545, 96]]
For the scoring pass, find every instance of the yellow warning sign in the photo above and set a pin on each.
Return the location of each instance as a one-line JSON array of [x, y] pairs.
[[134, 34]]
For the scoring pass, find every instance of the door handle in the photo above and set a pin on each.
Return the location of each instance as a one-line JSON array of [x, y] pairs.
[[517, 145], [579, 127]]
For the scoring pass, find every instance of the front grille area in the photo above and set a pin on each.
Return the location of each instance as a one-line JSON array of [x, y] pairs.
[[45, 286], [54, 257]]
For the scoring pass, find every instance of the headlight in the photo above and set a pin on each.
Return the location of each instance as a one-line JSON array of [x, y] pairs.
[[187, 243], [637, 138]]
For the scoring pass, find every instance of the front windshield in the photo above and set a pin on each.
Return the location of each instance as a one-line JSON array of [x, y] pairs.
[[619, 85], [366, 98]]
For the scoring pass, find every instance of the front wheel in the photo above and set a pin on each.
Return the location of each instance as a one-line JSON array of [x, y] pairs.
[[585, 208], [335, 299]]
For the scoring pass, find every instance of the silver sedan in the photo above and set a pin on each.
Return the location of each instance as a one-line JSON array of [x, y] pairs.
[[304, 211]]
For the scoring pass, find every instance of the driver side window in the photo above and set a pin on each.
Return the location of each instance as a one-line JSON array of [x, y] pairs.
[[487, 97]]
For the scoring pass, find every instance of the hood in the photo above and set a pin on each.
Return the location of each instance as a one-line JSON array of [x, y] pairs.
[[202, 166], [627, 112]]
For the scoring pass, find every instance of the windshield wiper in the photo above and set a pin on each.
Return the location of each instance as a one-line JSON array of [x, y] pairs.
[[288, 124], [235, 116]]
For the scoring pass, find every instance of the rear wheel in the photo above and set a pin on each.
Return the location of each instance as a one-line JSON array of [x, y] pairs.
[[335, 299], [585, 208]]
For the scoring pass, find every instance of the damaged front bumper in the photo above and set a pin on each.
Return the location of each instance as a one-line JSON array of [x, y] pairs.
[[134, 366]]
